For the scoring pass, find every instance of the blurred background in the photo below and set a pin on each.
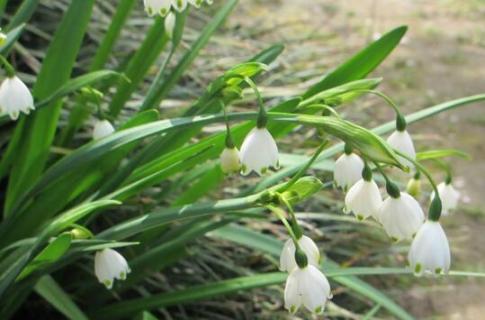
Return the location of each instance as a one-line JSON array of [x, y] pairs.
[[442, 57]]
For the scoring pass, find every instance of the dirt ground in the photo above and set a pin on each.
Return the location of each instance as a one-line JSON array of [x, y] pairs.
[[442, 57]]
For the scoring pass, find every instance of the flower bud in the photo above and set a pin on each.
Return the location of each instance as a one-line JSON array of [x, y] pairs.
[[302, 189], [169, 24], [230, 161], [414, 187]]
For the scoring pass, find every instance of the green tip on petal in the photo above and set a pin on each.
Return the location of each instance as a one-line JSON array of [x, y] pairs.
[[163, 12], [293, 309], [360, 217], [318, 310], [264, 170], [122, 276], [417, 268], [108, 284], [394, 239], [438, 270]]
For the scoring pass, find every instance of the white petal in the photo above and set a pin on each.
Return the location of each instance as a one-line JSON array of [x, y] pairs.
[[196, 3], [110, 265], [292, 294], [348, 170], [169, 24], [401, 140], [430, 251], [401, 217], [161, 7], [449, 197], [258, 152], [179, 5], [287, 256], [102, 128], [15, 97], [363, 199]]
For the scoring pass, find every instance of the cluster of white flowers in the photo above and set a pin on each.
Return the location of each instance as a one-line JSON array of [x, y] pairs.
[[15, 97], [163, 7], [259, 152], [400, 214], [306, 285]]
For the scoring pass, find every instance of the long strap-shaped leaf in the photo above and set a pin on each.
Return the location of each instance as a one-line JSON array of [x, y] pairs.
[[40, 127]]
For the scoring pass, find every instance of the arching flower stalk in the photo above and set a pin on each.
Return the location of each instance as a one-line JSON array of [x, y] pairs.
[[110, 265], [400, 214], [364, 198], [102, 128], [430, 252], [348, 169]]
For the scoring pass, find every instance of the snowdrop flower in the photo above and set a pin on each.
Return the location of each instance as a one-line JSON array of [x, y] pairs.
[[414, 185], [110, 265], [169, 24], [230, 160], [400, 214], [161, 7], [364, 198], [430, 251], [102, 128], [287, 257], [307, 286], [15, 97], [401, 141], [449, 196], [348, 169], [258, 152], [179, 5]]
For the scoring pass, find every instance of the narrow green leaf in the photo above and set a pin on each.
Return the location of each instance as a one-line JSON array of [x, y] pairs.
[[23, 14], [12, 37], [442, 153], [52, 292]]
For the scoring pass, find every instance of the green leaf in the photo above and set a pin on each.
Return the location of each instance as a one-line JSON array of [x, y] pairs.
[[38, 133], [12, 37], [361, 64], [442, 153], [48, 289], [23, 13], [50, 254]]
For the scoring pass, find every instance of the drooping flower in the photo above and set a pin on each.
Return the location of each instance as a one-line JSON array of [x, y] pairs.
[[230, 160], [430, 251], [414, 186], [287, 257], [307, 286], [400, 214], [449, 197], [258, 152], [15, 97], [401, 141], [110, 265], [169, 24], [348, 170], [363, 198], [161, 7], [102, 128], [179, 5]]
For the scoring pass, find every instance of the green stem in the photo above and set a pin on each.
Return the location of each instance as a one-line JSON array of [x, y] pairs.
[[262, 116], [280, 214], [400, 119], [8, 67]]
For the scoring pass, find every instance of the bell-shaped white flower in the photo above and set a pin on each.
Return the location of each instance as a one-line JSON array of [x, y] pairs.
[[348, 170], [15, 97], [102, 128], [449, 197], [258, 152], [161, 7], [430, 251], [169, 24], [179, 5], [307, 286], [363, 199], [230, 160], [401, 141], [401, 216], [196, 3], [287, 257], [110, 265]]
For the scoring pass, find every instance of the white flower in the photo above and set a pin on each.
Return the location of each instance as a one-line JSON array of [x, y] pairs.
[[401, 141], [179, 5], [309, 287], [161, 7], [363, 199], [15, 97], [348, 170], [102, 128], [196, 3], [449, 197], [430, 251], [401, 217], [169, 24], [258, 152], [110, 265], [287, 257], [230, 160]]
